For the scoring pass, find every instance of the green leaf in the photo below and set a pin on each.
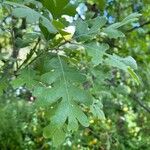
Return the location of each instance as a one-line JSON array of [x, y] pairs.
[[45, 31], [26, 77], [61, 29], [88, 30], [63, 111], [129, 19], [127, 64], [96, 51], [3, 55], [59, 7], [113, 33], [130, 61], [71, 111], [96, 23], [58, 137], [96, 109], [121, 63], [26, 40], [101, 4], [56, 134], [31, 16], [3, 85], [48, 25], [112, 30], [62, 86], [134, 75]]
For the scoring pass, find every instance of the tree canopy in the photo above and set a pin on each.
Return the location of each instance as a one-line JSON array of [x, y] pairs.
[[74, 74]]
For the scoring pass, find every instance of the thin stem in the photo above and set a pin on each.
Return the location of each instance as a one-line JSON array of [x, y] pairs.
[[31, 54], [143, 24], [142, 105]]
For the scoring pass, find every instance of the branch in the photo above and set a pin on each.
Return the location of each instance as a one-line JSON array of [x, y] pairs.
[[143, 24], [32, 51], [42, 53], [142, 105], [14, 35]]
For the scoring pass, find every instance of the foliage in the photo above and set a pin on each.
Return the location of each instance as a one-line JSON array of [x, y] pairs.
[[83, 78]]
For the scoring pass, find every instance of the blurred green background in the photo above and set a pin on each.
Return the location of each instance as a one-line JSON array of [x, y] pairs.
[[127, 109]]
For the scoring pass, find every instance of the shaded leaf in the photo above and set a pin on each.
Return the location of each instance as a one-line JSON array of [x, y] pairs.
[[96, 51], [59, 7], [88, 30]]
